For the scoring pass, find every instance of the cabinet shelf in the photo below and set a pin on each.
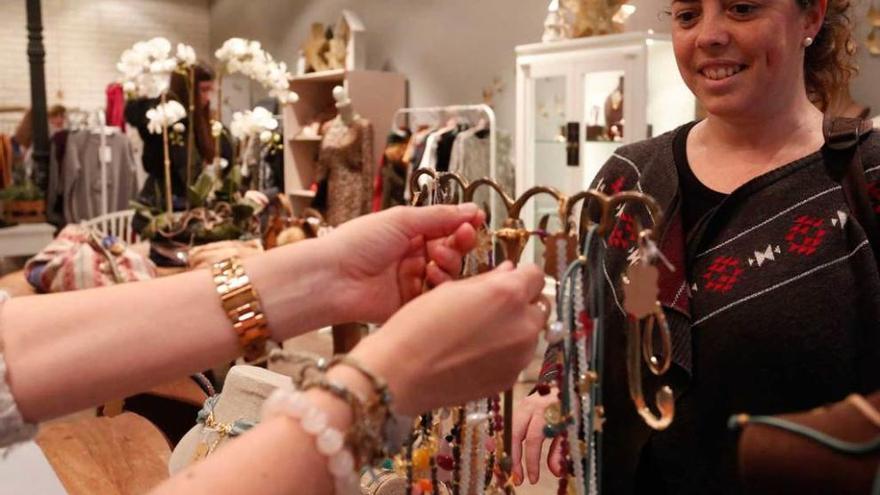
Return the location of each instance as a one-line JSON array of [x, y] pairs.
[[337, 75], [375, 95], [307, 139], [303, 193]]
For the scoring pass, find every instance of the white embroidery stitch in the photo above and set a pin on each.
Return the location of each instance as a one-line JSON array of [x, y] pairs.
[[780, 284], [765, 222]]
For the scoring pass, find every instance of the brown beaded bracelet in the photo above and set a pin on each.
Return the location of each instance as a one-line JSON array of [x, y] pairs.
[[361, 438]]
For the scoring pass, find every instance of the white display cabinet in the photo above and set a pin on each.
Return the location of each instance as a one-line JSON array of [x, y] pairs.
[[579, 100]]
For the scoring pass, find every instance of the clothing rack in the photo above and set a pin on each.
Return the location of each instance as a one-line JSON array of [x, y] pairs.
[[441, 112], [454, 110], [103, 159], [10, 117]]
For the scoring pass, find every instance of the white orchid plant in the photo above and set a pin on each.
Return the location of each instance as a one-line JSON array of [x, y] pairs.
[[165, 115], [247, 57], [255, 131], [147, 65], [146, 69]]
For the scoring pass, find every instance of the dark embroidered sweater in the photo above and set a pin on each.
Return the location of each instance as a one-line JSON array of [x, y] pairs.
[[774, 306]]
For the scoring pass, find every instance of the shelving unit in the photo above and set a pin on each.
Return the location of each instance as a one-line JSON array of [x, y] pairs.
[[375, 96]]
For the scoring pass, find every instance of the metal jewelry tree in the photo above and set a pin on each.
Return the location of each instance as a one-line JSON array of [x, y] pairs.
[[471, 444]]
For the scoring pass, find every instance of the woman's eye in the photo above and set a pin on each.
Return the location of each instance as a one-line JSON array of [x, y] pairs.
[[685, 17], [743, 9]]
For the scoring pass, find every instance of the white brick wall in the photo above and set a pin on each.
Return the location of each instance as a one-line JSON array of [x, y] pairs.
[[83, 40]]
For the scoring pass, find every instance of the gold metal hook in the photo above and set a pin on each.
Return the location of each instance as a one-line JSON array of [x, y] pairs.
[[472, 188], [414, 186], [661, 365], [664, 399], [608, 206]]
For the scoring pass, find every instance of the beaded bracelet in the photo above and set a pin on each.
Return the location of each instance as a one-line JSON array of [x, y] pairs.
[[361, 438], [329, 441], [394, 428]]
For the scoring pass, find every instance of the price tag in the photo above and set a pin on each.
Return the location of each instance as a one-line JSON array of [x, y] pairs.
[[106, 154]]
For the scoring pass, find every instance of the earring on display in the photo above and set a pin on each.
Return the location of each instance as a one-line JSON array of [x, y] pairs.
[[808, 42]]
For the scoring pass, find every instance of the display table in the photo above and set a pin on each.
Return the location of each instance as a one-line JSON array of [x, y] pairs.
[[25, 239], [122, 455]]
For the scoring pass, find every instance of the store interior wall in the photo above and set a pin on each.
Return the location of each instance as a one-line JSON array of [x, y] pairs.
[[449, 49], [83, 41]]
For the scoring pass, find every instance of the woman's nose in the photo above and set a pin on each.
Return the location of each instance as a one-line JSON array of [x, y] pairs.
[[712, 31]]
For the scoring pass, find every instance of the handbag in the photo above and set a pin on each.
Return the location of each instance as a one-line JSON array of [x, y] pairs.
[[832, 449], [80, 257]]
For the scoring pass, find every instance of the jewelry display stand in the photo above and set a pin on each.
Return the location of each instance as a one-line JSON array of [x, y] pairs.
[[579, 415]]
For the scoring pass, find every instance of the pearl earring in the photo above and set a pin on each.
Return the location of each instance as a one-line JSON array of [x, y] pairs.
[[808, 41]]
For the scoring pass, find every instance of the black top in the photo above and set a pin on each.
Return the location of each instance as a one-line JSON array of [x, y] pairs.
[[777, 310], [697, 199]]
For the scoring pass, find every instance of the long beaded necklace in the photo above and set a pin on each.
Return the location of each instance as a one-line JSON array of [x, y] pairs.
[[579, 414]]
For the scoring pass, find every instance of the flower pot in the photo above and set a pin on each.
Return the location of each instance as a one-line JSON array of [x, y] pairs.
[[24, 211]]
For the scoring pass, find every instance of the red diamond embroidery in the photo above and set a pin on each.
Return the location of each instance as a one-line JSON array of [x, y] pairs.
[[874, 194], [722, 274], [624, 233], [805, 235], [617, 186]]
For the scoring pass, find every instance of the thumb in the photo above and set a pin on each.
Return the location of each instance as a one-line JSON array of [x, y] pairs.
[[434, 221]]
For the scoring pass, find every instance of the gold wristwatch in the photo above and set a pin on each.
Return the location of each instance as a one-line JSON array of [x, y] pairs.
[[241, 303]]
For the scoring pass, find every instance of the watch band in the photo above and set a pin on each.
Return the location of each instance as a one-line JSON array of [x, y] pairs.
[[241, 303]]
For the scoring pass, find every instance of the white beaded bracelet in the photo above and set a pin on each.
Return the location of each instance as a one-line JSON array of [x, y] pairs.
[[329, 441]]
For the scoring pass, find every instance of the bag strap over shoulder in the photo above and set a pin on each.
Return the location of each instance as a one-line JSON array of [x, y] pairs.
[[842, 133], [842, 136]]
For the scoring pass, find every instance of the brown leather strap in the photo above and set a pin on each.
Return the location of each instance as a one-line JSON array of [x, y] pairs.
[[843, 133], [842, 136]]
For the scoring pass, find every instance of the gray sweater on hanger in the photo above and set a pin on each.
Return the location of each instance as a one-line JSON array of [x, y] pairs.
[[80, 175]]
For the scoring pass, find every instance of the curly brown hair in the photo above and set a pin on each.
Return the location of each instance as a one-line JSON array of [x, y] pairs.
[[829, 63]]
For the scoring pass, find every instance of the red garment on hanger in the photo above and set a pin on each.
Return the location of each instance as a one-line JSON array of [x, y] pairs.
[[377, 186], [115, 113]]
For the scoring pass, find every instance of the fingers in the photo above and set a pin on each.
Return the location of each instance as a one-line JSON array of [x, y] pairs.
[[534, 444], [520, 427], [447, 258], [435, 221], [554, 458], [533, 278], [436, 276]]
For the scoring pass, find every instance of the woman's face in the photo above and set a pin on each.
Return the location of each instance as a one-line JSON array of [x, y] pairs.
[[206, 92], [742, 58]]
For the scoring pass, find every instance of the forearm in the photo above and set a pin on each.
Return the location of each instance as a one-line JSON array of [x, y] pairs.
[[73, 350], [275, 457]]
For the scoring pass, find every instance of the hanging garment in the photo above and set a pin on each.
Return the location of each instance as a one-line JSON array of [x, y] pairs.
[[55, 186], [444, 149], [115, 113], [6, 158], [471, 158], [346, 161], [82, 175], [429, 154], [413, 155], [391, 179]]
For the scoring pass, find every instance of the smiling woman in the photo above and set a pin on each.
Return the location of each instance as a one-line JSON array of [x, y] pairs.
[[758, 229]]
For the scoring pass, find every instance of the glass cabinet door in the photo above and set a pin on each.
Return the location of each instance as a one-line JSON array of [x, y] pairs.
[[604, 120], [550, 106]]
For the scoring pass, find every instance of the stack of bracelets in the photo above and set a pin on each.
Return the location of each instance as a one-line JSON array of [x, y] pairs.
[[375, 431]]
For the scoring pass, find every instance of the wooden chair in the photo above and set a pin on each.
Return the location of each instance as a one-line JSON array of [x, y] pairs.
[[118, 224]]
